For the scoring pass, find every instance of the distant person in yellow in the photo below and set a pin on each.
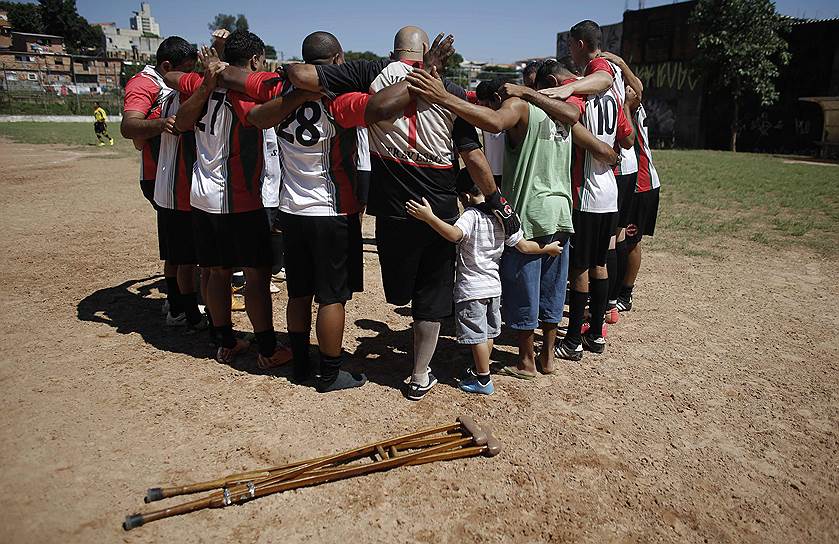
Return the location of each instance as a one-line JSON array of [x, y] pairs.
[[100, 125]]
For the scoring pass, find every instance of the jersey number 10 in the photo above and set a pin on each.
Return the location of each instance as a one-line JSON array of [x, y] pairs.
[[607, 114]]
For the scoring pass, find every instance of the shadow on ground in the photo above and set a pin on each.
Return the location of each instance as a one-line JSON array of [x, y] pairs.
[[134, 306]]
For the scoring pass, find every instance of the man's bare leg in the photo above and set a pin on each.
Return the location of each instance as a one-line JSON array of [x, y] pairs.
[[527, 356], [546, 356], [330, 329]]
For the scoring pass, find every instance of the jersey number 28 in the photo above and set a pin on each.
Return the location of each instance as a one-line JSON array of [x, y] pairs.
[[307, 132]]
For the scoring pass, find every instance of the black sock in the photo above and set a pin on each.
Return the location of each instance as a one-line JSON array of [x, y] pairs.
[[484, 379], [622, 254], [612, 269], [189, 303], [173, 295], [576, 314], [300, 351], [267, 342], [224, 336], [626, 292], [332, 378], [599, 289]]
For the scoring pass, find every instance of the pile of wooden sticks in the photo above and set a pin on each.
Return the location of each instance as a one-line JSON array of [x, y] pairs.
[[454, 441]]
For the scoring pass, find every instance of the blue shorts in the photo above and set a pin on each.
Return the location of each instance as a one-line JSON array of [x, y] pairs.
[[533, 286]]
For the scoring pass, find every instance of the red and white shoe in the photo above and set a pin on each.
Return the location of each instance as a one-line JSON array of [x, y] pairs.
[[612, 315], [586, 326]]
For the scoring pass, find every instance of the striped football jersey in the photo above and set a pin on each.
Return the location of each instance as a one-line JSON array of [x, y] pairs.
[[647, 174], [175, 162]]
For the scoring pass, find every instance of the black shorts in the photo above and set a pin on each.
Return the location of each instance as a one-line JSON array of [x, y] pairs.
[[590, 241], [232, 240], [99, 127], [626, 188], [147, 186], [643, 211], [323, 257], [175, 236], [417, 266]]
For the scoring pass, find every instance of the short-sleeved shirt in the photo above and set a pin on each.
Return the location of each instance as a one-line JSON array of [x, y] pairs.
[[592, 181], [228, 172], [478, 255], [318, 149], [647, 174], [145, 93], [412, 156], [175, 161]]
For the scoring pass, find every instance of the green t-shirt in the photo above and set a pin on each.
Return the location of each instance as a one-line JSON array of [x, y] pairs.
[[537, 176]]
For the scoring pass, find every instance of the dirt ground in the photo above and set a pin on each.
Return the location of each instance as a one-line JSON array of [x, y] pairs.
[[712, 417]]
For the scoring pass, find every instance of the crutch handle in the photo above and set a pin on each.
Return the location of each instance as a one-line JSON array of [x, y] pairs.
[[493, 445], [153, 494], [479, 437]]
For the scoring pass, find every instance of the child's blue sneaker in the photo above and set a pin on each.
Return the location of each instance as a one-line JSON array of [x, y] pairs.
[[472, 385]]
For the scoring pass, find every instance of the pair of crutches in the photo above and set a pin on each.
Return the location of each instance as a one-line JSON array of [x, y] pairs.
[[453, 441]]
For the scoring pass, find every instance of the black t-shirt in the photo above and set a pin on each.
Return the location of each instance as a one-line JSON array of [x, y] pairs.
[[394, 180]]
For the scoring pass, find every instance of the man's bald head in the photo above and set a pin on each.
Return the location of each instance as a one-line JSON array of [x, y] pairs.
[[408, 43], [322, 48]]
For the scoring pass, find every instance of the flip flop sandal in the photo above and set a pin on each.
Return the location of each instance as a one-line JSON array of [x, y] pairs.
[[514, 372]]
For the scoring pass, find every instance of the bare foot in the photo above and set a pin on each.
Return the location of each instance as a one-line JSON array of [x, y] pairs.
[[546, 362]]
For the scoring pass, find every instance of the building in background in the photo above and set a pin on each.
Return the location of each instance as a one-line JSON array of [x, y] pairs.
[[5, 30], [40, 63], [137, 43], [143, 20], [660, 45]]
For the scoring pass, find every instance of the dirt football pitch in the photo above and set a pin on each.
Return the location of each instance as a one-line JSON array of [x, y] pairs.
[[713, 416]]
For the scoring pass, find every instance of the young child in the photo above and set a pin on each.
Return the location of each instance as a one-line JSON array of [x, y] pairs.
[[480, 242]]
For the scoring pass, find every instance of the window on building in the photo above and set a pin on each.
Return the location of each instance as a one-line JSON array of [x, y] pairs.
[[32, 77], [59, 60]]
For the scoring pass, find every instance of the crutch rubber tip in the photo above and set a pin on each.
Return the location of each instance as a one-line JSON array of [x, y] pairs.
[[479, 437], [132, 521], [493, 445], [153, 494]]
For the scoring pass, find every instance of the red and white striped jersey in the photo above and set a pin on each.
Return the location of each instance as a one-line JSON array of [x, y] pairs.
[[175, 162], [145, 93], [318, 148], [271, 177], [592, 181], [647, 174], [628, 163], [227, 177]]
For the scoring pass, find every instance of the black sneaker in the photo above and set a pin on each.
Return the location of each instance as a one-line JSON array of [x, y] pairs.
[[565, 351], [624, 304], [415, 391], [594, 344]]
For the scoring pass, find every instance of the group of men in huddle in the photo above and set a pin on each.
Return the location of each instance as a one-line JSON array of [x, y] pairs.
[[229, 154]]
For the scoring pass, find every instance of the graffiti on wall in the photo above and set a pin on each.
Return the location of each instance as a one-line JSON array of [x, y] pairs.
[[661, 122], [667, 75]]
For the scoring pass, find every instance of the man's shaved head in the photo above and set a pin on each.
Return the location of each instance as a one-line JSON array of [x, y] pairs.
[[320, 48], [409, 41]]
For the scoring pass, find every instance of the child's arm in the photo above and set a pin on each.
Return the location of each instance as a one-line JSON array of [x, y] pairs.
[[532, 248], [424, 213]]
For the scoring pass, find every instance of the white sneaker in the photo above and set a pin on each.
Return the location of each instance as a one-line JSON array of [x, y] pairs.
[[176, 321], [274, 288], [279, 276]]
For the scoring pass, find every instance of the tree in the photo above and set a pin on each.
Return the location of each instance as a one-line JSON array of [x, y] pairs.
[[741, 48], [24, 17], [358, 55], [61, 18], [228, 22], [270, 52]]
